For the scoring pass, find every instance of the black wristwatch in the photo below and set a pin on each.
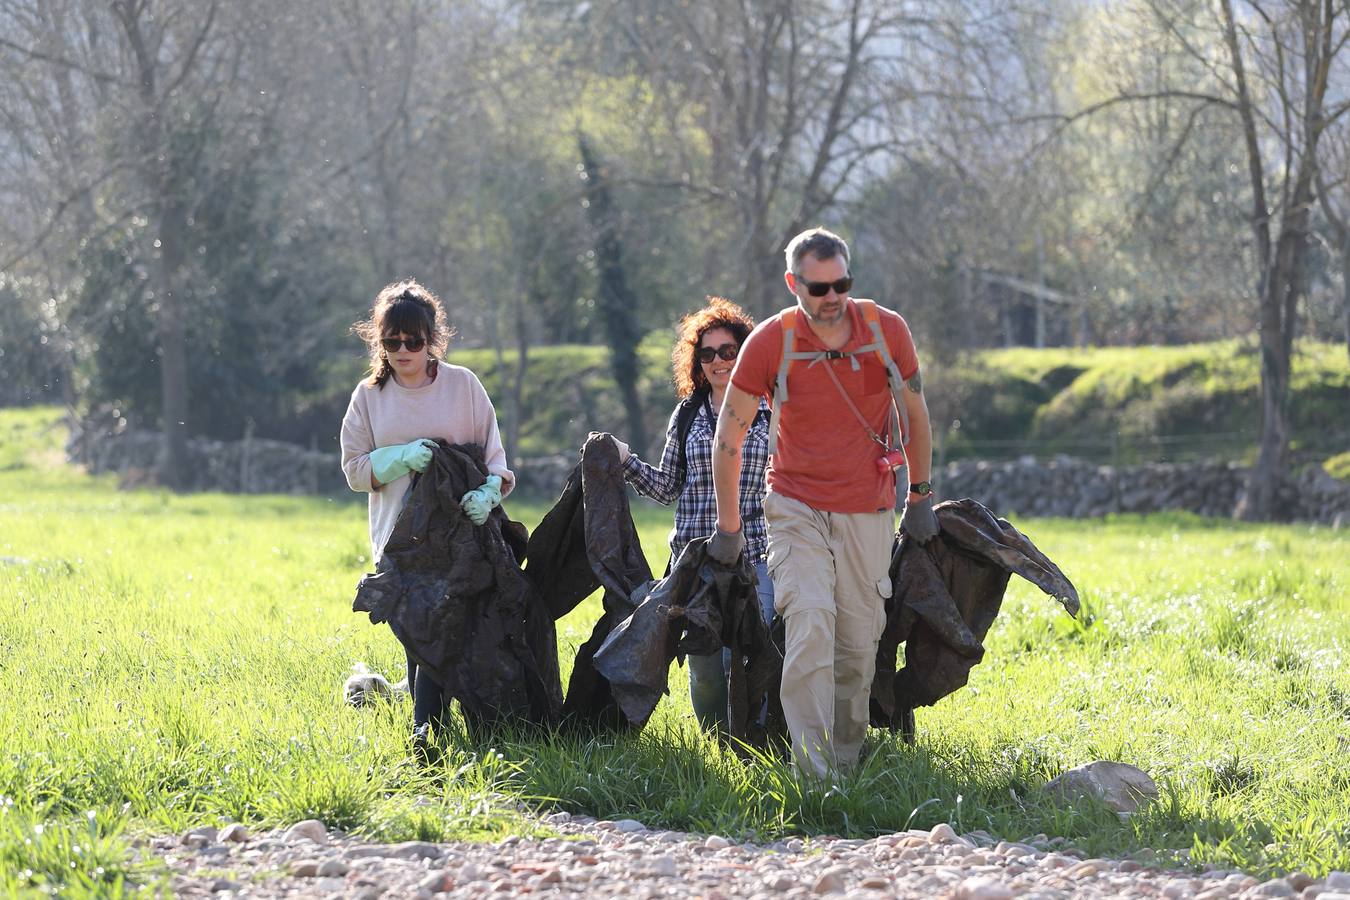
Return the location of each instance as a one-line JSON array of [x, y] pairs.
[[923, 488]]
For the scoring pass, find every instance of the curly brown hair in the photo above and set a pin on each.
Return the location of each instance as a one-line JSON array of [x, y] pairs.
[[404, 307], [718, 313]]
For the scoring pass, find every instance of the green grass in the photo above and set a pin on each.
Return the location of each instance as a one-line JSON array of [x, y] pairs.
[[1338, 466], [171, 661], [1138, 404]]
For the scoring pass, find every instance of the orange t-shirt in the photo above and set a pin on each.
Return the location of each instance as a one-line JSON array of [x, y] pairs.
[[825, 457]]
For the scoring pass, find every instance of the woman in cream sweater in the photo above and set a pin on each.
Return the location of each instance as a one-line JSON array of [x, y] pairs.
[[411, 398]]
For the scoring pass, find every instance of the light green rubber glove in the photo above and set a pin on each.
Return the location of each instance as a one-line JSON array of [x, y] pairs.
[[390, 463], [477, 504]]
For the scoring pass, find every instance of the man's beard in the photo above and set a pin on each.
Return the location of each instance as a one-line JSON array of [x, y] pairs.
[[836, 317]]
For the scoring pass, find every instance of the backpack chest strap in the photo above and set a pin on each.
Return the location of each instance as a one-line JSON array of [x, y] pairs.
[[899, 414]]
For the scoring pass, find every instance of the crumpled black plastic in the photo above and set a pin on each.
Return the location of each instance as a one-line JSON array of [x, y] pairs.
[[946, 595], [456, 598], [699, 608], [588, 540]]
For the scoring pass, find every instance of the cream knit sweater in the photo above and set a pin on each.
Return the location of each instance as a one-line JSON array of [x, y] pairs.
[[454, 407]]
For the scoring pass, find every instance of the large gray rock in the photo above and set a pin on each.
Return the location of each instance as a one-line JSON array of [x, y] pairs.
[[234, 833], [307, 830], [1120, 786]]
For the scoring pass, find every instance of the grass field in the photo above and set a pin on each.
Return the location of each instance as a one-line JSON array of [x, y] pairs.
[[169, 661]]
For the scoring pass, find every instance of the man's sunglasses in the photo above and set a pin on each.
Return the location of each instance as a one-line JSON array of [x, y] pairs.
[[821, 288], [726, 351], [391, 345]]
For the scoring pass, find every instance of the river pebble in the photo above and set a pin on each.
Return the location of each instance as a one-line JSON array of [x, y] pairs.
[[623, 858]]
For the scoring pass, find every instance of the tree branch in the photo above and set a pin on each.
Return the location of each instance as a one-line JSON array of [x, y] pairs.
[[60, 61]]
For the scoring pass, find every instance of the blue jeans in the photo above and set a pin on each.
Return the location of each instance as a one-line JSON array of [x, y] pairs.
[[708, 674]]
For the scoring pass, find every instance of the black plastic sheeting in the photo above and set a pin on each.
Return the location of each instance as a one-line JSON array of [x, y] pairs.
[[457, 598], [588, 540], [947, 595], [701, 607]]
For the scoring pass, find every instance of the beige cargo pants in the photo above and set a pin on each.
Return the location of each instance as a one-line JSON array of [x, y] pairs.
[[831, 577]]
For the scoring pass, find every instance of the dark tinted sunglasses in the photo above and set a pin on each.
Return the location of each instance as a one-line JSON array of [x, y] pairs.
[[391, 345], [726, 351], [821, 288]]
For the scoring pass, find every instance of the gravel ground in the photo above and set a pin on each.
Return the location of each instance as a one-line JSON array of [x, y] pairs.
[[625, 859]]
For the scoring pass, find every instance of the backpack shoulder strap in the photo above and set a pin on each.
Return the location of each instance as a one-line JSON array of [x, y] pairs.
[[872, 317], [789, 322], [689, 407]]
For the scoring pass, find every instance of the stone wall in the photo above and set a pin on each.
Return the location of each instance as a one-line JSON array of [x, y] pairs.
[[239, 467], [1075, 489], [1064, 487], [544, 476]]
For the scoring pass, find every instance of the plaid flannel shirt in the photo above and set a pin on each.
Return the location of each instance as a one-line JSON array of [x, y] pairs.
[[696, 511]]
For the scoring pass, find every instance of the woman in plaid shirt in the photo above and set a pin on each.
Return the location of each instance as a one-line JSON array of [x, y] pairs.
[[704, 355]]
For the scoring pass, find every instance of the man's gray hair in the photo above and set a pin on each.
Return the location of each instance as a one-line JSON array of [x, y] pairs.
[[820, 243]]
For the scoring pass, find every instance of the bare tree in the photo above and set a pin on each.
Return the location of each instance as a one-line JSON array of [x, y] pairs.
[[1269, 65], [1333, 190], [143, 82], [1287, 54], [790, 99], [161, 61]]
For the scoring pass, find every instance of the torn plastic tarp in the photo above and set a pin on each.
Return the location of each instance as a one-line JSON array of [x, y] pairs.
[[947, 595], [588, 540], [701, 607], [456, 598]]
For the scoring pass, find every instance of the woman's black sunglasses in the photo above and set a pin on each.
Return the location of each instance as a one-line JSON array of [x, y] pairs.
[[392, 344], [726, 351], [821, 288]]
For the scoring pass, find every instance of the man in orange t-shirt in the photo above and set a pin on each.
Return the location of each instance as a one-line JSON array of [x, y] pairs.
[[829, 506]]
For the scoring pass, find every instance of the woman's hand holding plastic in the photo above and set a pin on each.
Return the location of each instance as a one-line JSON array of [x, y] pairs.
[[624, 452], [397, 460], [477, 504]]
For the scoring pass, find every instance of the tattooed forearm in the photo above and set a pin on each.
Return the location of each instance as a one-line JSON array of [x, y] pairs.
[[915, 383], [729, 415], [724, 447]]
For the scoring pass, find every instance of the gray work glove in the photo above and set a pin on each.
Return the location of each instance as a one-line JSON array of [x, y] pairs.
[[918, 520], [726, 547]]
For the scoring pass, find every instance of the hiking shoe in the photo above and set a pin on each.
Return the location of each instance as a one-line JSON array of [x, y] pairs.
[[423, 743]]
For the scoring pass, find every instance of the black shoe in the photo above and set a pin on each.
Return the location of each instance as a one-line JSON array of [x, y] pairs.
[[424, 744], [906, 720]]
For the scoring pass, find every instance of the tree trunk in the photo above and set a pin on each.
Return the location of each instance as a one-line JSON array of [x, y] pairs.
[[171, 331], [511, 385], [765, 292], [516, 395], [617, 304], [1279, 299], [159, 173], [1258, 504], [1345, 287]]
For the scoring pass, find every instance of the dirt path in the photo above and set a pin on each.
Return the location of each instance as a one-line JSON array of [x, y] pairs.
[[625, 859]]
